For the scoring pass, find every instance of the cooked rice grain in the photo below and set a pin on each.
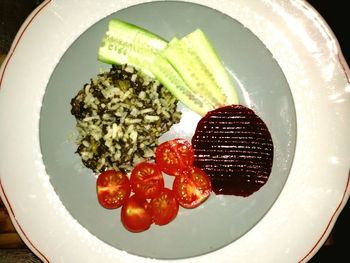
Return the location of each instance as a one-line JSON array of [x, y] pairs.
[[120, 116]]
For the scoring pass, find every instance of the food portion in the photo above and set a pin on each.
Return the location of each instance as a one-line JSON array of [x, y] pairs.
[[188, 67], [171, 79], [198, 64], [120, 116], [124, 43], [175, 157], [146, 180], [234, 147], [122, 113], [135, 214], [150, 201], [192, 188], [164, 207], [113, 189]]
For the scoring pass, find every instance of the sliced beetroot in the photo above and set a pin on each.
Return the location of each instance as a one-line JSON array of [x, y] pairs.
[[234, 147]]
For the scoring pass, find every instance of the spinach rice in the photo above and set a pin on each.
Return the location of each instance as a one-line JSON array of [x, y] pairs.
[[120, 116]]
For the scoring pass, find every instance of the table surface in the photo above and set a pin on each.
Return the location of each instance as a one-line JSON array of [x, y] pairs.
[[12, 15]]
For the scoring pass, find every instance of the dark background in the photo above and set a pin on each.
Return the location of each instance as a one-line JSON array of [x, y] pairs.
[[14, 12]]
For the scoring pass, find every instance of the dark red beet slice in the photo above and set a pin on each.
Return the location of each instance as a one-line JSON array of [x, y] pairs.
[[234, 147]]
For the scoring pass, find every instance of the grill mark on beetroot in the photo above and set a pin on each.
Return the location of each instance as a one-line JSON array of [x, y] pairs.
[[234, 147]]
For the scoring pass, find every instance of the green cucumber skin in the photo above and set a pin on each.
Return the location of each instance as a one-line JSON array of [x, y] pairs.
[[200, 45], [182, 61], [115, 25], [170, 78], [125, 43]]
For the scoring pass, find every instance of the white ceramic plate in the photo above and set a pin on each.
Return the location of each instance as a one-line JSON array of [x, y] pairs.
[[316, 190]]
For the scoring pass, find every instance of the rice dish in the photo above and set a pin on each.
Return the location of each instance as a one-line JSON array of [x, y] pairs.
[[120, 116]]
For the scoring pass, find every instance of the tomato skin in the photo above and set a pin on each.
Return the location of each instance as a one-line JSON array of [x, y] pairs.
[[135, 214], [113, 189], [164, 207], [192, 188], [146, 180], [175, 156]]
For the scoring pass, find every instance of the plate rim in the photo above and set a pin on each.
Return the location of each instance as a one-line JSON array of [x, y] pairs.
[[324, 28]]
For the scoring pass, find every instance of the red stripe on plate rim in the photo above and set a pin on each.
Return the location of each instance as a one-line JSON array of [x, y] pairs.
[[42, 256], [24, 27], [7, 203], [330, 224]]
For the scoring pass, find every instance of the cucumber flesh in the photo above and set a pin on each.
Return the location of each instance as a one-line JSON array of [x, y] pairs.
[[189, 67], [193, 71], [169, 77], [126, 43], [200, 47]]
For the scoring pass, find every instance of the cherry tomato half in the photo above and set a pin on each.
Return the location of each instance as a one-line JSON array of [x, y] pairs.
[[192, 188], [164, 207], [175, 156], [135, 214], [113, 188], [146, 180]]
